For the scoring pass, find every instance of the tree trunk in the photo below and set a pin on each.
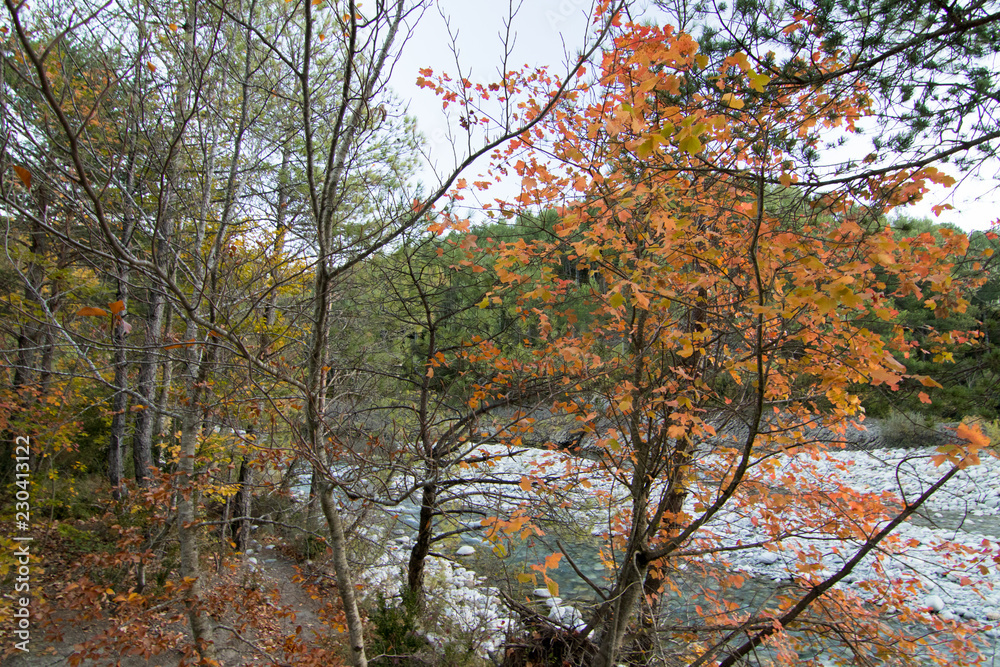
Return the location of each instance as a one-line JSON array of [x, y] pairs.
[[119, 402], [345, 583], [242, 504], [623, 603], [422, 547], [162, 421], [190, 566], [147, 418]]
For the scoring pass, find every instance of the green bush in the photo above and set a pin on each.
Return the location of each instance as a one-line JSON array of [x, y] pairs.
[[394, 631], [908, 429]]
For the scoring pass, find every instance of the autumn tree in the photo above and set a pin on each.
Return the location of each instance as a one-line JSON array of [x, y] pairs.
[[731, 325], [194, 109]]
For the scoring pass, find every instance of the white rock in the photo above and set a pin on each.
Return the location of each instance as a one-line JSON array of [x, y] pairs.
[[568, 616], [946, 616], [934, 603], [465, 550], [553, 602], [767, 558], [542, 593]]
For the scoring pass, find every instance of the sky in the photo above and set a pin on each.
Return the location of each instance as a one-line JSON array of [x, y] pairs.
[[548, 32]]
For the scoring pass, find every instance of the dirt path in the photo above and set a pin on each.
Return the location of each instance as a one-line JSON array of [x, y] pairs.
[[271, 571]]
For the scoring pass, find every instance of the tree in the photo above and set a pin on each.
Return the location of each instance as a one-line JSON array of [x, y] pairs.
[[194, 111], [925, 68], [720, 303], [953, 348]]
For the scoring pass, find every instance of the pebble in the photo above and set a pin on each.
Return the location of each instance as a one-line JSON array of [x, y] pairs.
[[934, 603], [767, 558], [465, 550]]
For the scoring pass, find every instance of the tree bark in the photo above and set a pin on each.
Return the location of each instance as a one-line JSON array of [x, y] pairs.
[[242, 504], [422, 546], [345, 583], [202, 627]]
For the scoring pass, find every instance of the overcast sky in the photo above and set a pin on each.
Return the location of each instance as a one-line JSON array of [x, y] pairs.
[[546, 30]]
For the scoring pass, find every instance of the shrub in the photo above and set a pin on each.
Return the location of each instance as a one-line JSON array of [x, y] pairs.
[[908, 429], [395, 640]]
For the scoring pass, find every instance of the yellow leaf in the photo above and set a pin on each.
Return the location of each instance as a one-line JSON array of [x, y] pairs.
[[825, 305], [552, 586], [645, 148], [732, 101], [616, 300], [758, 81], [484, 303], [691, 145]]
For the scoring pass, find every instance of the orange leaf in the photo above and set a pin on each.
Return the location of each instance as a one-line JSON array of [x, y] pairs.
[[976, 438], [24, 175], [116, 307], [91, 311]]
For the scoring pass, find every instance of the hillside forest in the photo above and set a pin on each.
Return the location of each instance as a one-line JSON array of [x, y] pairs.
[[662, 370]]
